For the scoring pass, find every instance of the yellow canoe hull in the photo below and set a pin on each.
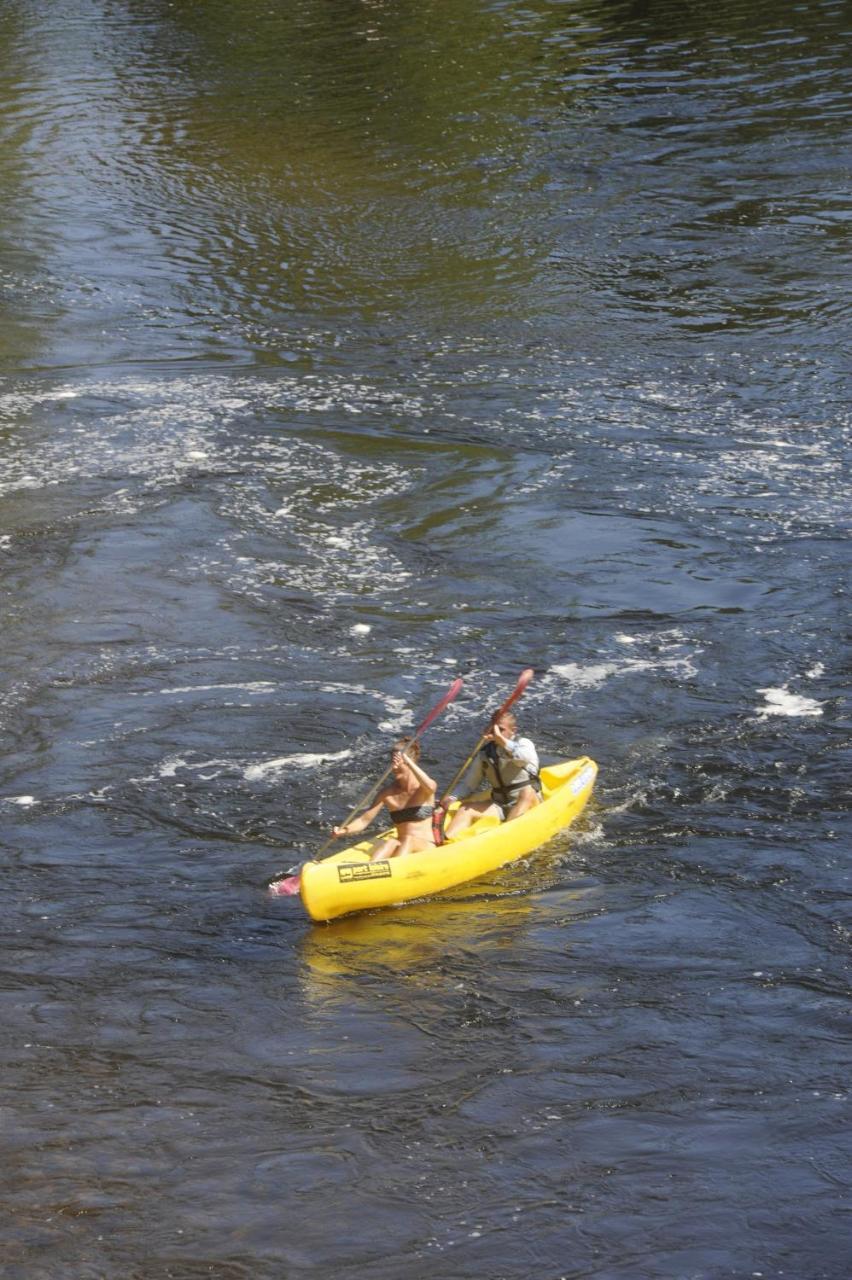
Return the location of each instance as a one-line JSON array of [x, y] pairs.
[[348, 881]]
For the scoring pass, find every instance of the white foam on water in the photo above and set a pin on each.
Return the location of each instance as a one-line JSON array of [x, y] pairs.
[[596, 674], [254, 686], [169, 767], [593, 834], [154, 433], [591, 677], [348, 688], [667, 656], [815, 672], [326, 517], [401, 715], [360, 629], [283, 764], [781, 702], [156, 430], [23, 801]]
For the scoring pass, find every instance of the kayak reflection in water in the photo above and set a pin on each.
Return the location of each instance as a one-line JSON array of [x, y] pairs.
[[410, 800], [508, 766]]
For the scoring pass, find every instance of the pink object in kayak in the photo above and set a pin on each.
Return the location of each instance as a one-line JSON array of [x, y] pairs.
[[288, 887]]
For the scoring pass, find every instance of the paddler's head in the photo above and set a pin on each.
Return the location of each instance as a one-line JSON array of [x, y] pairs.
[[505, 722], [411, 749]]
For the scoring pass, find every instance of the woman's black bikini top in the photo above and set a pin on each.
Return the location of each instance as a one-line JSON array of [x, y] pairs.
[[414, 813]]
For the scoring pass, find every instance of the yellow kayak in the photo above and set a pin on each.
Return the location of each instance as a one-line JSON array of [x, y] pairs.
[[348, 881]]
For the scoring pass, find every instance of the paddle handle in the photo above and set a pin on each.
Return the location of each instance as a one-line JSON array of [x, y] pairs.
[[364, 803], [463, 770]]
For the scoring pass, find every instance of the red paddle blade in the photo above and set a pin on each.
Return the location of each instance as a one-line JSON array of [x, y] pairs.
[[286, 888], [523, 680], [452, 692]]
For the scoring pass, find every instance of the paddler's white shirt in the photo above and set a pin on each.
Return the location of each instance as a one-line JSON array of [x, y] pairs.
[[518, 756]]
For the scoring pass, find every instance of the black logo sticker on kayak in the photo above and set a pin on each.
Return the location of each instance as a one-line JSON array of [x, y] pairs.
[[364, 871]]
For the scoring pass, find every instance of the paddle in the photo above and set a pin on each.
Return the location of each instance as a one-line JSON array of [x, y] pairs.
[[292, 879], [523, 680]]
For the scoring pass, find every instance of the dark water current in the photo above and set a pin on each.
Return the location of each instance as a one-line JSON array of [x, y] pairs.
[[348, 347]]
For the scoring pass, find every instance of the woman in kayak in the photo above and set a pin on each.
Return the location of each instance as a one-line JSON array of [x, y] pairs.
[[410, 801], [508, 766]]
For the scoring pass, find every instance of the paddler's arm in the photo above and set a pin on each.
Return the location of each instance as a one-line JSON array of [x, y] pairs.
[[363, 820], [420, 774]]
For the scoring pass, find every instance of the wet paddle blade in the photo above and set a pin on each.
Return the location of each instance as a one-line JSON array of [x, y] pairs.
[[452, 692], [524, 679], [286, 888]]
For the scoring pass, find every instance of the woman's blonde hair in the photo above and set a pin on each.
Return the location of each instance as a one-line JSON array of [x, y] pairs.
[[410, 746]]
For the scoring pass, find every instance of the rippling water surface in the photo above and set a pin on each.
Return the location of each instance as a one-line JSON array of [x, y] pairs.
[[345, 349]]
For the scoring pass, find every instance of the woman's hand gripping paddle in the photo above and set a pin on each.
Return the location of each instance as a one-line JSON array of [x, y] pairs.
[[290, 884], [441, 807]]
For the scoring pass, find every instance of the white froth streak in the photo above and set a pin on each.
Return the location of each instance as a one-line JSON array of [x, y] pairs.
[[586, 677], [401, 713], [257, 686], [780, 702], [171, 764], [257, 772], [593, 676]]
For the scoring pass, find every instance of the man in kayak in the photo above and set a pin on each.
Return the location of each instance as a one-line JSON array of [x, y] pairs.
[[410, 801], [508, 766]]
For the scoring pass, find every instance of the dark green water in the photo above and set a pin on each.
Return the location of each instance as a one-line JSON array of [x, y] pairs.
[[345, 348]]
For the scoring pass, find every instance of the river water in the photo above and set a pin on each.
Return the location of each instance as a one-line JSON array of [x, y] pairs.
[[348, 348]]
